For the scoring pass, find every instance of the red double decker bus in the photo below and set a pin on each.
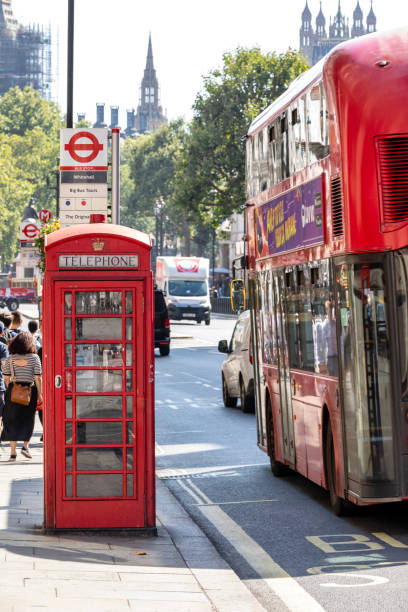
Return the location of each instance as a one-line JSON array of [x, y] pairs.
[[327, 229]]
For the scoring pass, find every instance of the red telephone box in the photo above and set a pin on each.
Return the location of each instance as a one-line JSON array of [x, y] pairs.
[[98, 360]]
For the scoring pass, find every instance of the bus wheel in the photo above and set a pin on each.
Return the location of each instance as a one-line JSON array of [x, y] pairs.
[[12, 304], [229, 402], [278, 469], [338, 505]]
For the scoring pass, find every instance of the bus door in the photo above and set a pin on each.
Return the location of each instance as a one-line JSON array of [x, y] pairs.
[[284, 371]]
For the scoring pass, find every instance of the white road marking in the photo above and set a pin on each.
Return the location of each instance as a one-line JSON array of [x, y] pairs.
[[197, 377], [293, 595], [245, 501], [372, 580]]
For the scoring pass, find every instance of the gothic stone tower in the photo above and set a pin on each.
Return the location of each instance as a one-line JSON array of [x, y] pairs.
[[314, 44], [149, 112]]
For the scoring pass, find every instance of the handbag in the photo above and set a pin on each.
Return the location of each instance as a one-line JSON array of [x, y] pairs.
[[20, 394]]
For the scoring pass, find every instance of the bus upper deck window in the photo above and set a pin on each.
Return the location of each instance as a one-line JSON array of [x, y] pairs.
[[284, 125], [294, 116], [271, 133]]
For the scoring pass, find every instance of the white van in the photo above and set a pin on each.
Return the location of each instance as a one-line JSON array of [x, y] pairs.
[[184, 282]]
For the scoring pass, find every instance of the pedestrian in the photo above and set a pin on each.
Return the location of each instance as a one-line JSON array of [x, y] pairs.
[[7, 321], [16, 323], [33, 329], [23, 366], [3, 357]]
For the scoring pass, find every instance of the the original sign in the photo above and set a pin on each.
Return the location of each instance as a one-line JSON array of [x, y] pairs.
[[72, 217], [99, 261]]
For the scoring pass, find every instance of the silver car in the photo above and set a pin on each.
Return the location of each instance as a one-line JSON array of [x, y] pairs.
[[237, 369]]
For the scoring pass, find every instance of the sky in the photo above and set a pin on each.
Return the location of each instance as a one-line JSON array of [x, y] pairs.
[[188, 37]]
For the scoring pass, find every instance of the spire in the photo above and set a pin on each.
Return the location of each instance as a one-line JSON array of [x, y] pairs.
[[358, 13], [371, 20], [306, 15], [321, 23], [149, 59]]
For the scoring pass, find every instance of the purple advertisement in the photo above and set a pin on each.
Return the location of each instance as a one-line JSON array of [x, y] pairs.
[[294, 220]]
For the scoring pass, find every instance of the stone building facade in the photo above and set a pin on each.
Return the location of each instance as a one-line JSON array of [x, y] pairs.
[[316, 42]]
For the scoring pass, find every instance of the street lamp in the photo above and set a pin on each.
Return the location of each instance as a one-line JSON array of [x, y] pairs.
[[158, 213]]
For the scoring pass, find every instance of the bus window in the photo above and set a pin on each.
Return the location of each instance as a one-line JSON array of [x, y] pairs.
[[298, 149], [317, 124], [304, 313], [269, 349], [292, 320], [284, 146], [401, 285], [372, 366], [324, 320]]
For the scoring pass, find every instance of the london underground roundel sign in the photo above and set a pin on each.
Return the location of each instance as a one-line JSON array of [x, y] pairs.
[[84, 149], [28, 230]]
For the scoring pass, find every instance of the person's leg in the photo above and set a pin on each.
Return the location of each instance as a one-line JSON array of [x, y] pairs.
[[13, 450]]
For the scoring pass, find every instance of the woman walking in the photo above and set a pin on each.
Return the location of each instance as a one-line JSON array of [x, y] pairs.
[[23, 367]]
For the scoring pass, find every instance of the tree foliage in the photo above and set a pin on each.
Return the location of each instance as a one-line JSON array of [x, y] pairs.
[[147, 173], [29, 148], [211, 171]]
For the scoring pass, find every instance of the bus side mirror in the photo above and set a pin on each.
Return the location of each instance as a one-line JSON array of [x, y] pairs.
[[223, 346], [238, 299]]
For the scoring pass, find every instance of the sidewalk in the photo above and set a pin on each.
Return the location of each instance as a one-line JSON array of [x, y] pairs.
[[178, 571]]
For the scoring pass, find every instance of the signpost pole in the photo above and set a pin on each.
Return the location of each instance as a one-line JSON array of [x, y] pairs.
[[70, 64], [116, 176]]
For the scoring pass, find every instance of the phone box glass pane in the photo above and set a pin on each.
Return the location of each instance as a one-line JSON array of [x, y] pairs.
[[103, 432], [68, 354], [99, 355], [129, 354], [129, 488], [99, 485], [68, 407], [68, 433], [129, 459], [101, 328], [68, 459], [98, 381], [68, 303], [98, 302], [68, 485], [68, 332], [102, 407], [128, 302], [129, 433], [99, 459], [129, 406], [129, 335]]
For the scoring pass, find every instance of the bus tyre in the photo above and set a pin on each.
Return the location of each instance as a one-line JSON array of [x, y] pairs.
[[164, 350], [278, 469], [229, 402], [12, 304], [247, 401], [339, 506]]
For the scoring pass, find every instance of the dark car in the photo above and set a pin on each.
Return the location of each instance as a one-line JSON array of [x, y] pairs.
[[161, 324]]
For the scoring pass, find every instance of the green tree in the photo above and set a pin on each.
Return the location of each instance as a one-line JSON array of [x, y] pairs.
[[147, 173], [29, 141], [211, 171]]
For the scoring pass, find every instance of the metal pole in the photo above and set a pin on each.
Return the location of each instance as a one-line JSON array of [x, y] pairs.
[[116, 175], [70, 65], [213, 254]]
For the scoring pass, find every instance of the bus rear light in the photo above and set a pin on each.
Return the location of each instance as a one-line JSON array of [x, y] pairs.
[[167, 323]]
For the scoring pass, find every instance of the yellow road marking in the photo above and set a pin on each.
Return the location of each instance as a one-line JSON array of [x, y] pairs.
[[384, 537]]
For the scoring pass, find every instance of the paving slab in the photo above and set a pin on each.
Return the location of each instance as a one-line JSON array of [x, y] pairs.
[[177, 571]]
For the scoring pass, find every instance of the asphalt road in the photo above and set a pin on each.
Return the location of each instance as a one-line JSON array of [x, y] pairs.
[[279, 535]]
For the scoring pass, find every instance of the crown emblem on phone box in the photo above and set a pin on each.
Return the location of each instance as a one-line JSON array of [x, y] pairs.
[[98, 245]]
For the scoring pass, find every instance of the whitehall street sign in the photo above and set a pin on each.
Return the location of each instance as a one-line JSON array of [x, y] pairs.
[[84, 174], [99, 261]]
